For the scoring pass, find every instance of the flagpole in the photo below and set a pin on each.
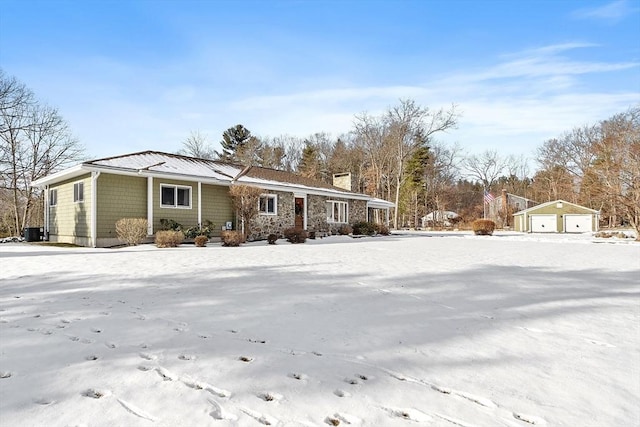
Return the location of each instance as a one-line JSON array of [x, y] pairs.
[[484, 203]]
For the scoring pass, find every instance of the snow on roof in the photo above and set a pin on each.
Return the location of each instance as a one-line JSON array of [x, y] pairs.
[[152, 161]]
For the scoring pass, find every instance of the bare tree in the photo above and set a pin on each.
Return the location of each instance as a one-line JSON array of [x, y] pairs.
[[413, 127], [197, 145], [245, 201], [617, 167], [36, 141], [485, 167]]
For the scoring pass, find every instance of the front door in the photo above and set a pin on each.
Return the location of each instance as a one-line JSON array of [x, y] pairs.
[[299, 209]]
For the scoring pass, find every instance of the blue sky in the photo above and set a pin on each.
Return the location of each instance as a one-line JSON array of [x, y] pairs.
[[136, 75]]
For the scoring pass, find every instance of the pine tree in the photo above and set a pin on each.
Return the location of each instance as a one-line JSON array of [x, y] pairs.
[[233, 140]]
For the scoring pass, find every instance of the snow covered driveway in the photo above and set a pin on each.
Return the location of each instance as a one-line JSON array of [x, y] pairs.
[[412, 329]]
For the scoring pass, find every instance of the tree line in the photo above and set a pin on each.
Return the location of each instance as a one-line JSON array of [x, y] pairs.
[[395, 155]]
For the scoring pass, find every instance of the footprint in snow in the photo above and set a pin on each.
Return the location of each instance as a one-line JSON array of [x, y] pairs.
[[270, 397], [87, 341], [74, 338], [43, 401], [218, 412], [91, 357], [187, 357], [531, 419], [5, 374], [148, 356], [166, 375], [144, 368], [261, 418], [342, 393], [409, 414], [245, 359], [338, 419], [95, 394], [110, 345], [297, 376], [351, 381], [105, 313], [96, 330]]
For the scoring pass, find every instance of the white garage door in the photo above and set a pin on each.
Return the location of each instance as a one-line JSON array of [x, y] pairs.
[[543, 224], [578, 223]]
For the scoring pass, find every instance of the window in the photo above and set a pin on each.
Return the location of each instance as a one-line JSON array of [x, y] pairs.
[[173, 196], [337, 212], [268, 204], [53, 197], [78, 192]]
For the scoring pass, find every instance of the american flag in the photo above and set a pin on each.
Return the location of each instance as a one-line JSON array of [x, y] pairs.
[[488, 197]]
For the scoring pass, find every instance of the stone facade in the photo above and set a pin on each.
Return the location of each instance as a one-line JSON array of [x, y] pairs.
[[316, 212], [263, 225]]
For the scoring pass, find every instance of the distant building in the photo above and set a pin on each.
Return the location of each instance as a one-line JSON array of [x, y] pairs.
[[439, 218], [502, 208]]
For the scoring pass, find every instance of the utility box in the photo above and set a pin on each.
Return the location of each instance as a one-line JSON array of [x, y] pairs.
[[32, 234]]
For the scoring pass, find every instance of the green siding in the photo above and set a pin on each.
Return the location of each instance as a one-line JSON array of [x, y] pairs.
[[188, 217], [216, 206], [69, 219], [554, 210], [119, 196]]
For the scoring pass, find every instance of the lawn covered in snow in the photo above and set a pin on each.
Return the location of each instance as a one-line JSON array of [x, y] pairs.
[[411, 329]]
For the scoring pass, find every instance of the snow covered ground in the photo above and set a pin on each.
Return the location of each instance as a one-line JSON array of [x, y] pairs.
[[434, 329]]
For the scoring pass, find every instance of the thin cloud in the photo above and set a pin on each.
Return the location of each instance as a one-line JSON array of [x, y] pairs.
[[611, 12]]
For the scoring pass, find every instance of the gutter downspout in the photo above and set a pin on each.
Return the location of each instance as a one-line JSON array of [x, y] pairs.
[[200, 205], [46, 212], [149, 206], [94, 208]]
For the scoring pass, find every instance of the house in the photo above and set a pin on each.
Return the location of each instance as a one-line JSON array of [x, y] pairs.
[[84, 202], [501, 209], [558, 216], [434, 218]]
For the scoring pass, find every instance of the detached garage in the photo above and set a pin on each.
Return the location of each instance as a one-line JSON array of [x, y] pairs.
[[558, 216]]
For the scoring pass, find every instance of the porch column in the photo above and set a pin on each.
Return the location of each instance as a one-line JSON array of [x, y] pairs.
[[200, 205], [149, 206], [94, 208]]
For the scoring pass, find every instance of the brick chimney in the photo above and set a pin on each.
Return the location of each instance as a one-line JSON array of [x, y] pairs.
[[342, 180]]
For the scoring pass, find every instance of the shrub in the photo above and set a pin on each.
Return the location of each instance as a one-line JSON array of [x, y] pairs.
[[295, 235], [169, 238], [271, 238], [231, 238], [201, 241], [132, 231], [364, 228], [382, 229], [205, 230], [483, 227], [345, 230], [169, 224]]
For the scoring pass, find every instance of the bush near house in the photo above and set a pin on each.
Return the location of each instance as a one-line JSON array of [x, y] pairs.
[[232, 238], [169, 238], [206, 230], [364, 228], [132, 231], [345, 230], [295, 235], [271, 238], [382, 229], [201, 241], [483, 227], [169, 224]]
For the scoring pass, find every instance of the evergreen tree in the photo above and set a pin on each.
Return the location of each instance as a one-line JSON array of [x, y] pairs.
[[233, 140]]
